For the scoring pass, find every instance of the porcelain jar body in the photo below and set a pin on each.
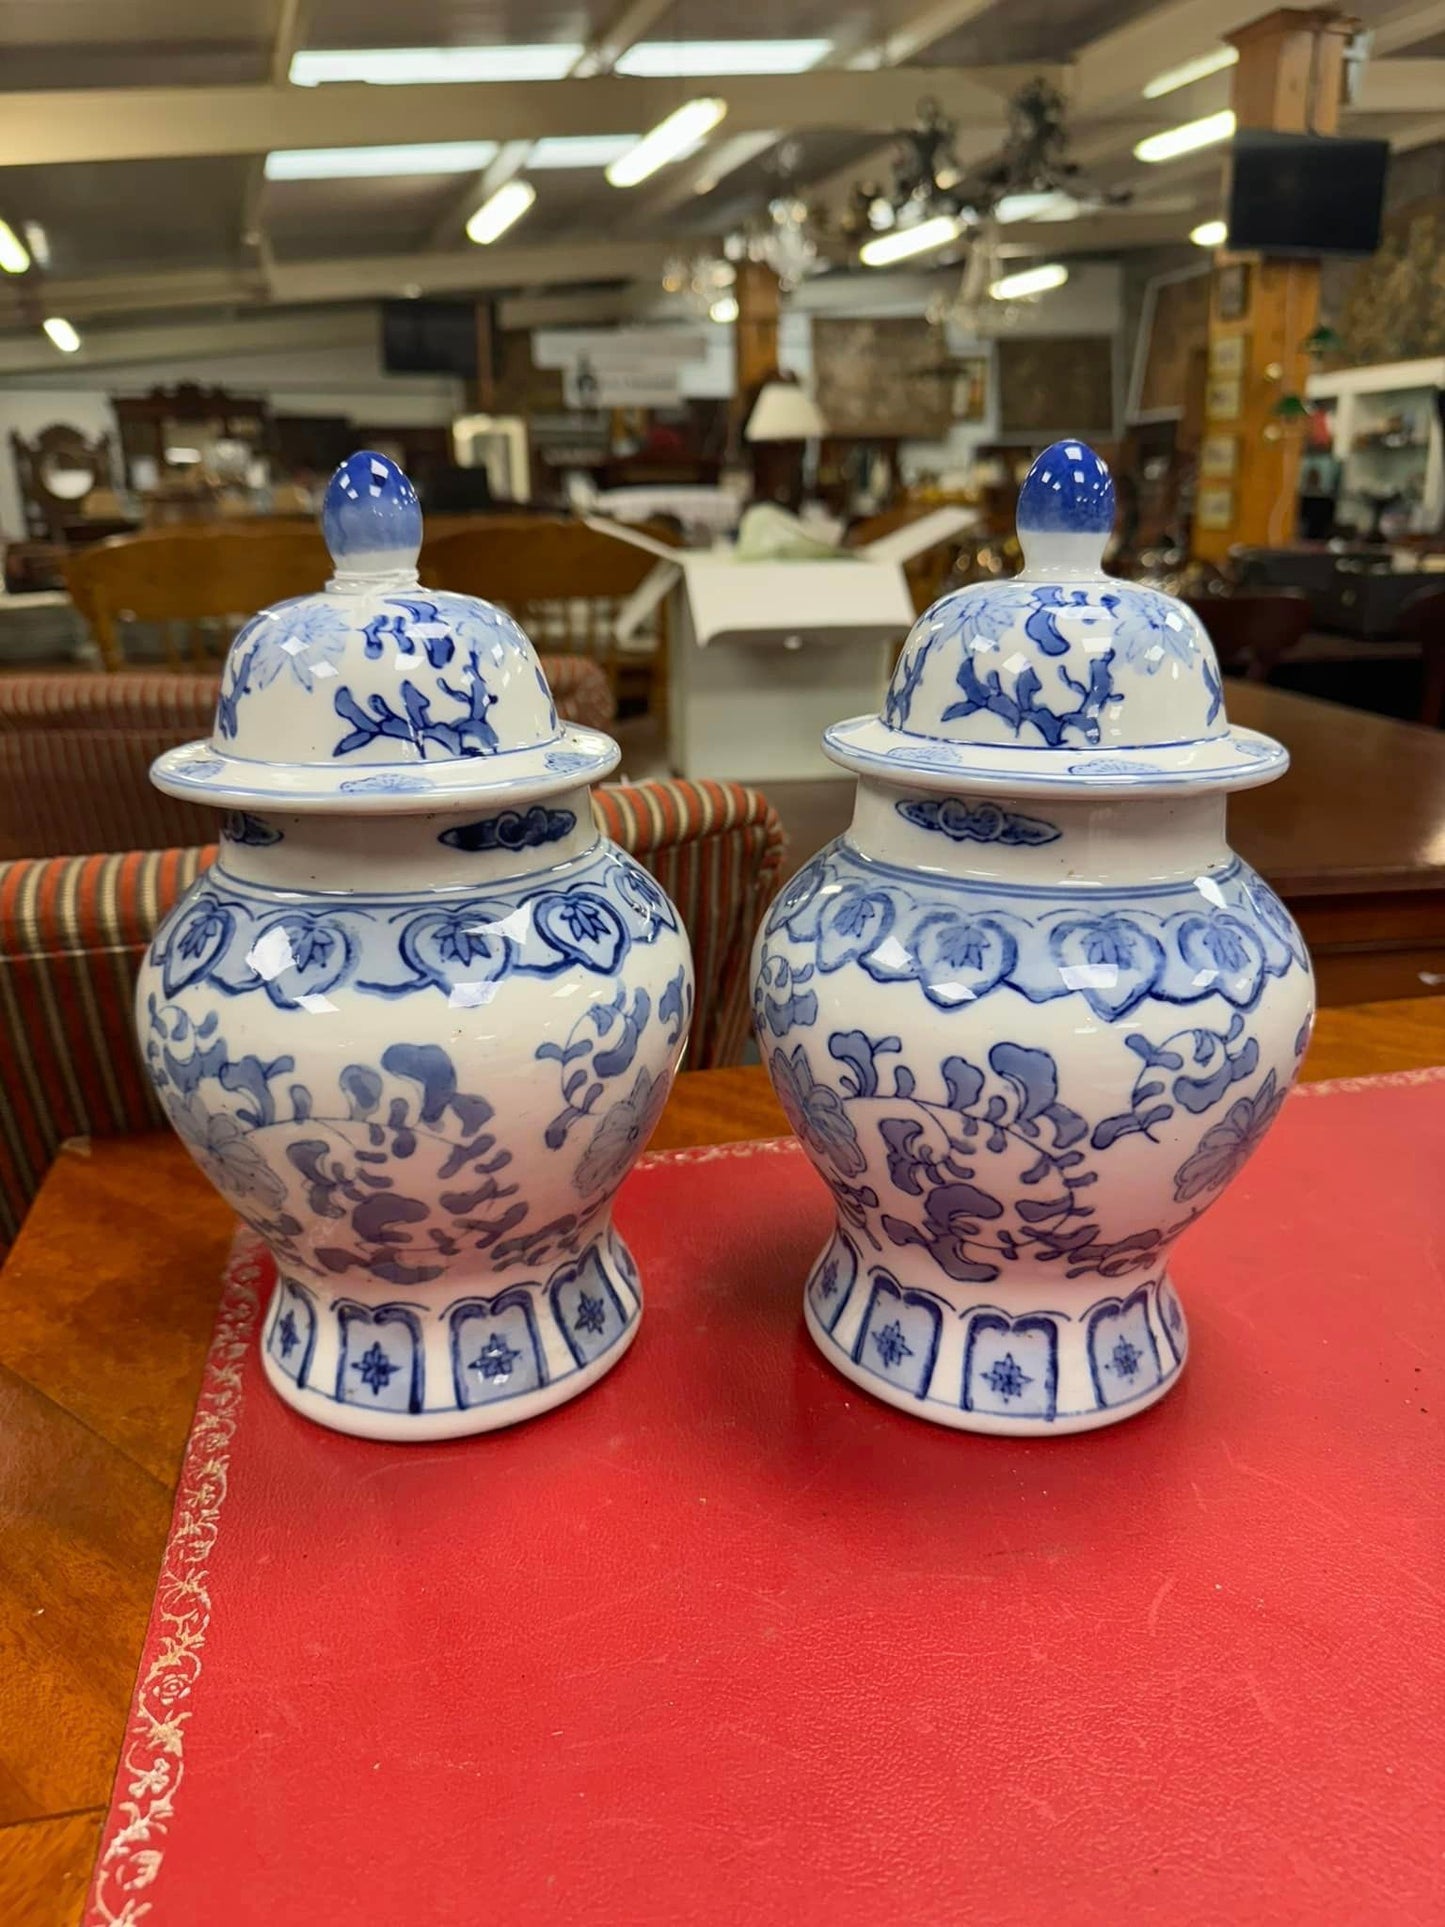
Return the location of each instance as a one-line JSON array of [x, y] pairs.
[[1026, 1044], [418, 1054]]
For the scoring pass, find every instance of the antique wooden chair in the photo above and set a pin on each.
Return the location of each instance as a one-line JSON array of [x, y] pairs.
[[200, 580], [564, 582]]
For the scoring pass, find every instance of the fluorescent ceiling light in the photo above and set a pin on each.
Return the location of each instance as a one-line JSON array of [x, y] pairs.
[[61, 333], [901, 242], [1210, 234], [14, 256], [358, 163], [1050, 205], [724, 309], [1169, 145], [1200, 68], [1030, 281], [497, 214], [38, 242], [579, 150], [679, 134], [688, 59], [432, 66]]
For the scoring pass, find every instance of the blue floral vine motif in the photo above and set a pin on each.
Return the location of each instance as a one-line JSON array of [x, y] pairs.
[[250, 1122], [937, 1148], [1226, 1146], [587, 1069], [982, 822], [512, 830], [1149, 630], [816, 1113], [561, 760], [1196, 1066], [782, 999], [304, 638], [468, 734], [1020, 707], [674, 1006]]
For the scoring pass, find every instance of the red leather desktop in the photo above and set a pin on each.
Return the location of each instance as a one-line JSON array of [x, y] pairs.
[[728, 1641]]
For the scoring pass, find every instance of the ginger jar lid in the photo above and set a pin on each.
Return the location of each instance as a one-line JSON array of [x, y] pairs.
[[376, 694], [1064, 679]]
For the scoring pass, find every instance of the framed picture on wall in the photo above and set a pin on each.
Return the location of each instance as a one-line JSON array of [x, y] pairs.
[[1173, 331], [1231, 291], [1214, 507], [1224, 398], [1219, 458]]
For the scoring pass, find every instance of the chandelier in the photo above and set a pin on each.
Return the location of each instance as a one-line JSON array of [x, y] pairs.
[[705, 282], [1030, 177]]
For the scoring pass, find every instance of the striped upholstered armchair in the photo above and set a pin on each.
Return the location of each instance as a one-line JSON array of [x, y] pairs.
[[75, 752], [73, 930]]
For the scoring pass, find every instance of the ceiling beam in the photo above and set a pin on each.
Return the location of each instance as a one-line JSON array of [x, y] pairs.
[[1408, 27], [626, 27], [159, 292], [176, 123], [917, 27], [599, 56], [549, 264], [367, 278], [32, 354], [1117, 66], [1402, 87]]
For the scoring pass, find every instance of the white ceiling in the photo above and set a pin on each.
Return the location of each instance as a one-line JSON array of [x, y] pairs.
[[143, 162]]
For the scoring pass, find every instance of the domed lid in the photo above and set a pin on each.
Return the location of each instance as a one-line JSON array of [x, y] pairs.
[[1064, 678], [377, 694]]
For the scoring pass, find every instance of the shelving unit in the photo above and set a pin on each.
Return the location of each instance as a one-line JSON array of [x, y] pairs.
[[1386, 435]]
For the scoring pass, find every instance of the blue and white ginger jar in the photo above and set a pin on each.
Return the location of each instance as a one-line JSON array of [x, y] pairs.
[[1030, 1015], [419, 1019]]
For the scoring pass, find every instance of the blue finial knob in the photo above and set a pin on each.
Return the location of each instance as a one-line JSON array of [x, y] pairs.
[[1068, 491], [371, 518]]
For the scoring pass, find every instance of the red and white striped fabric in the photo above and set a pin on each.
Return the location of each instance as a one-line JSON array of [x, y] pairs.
[[73, 930], [75, 754]]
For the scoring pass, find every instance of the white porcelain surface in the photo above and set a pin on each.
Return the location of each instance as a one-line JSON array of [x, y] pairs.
[[416, 1036], [1027, 1035]]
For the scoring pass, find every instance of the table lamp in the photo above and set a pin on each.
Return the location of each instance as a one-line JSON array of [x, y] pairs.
[[782, 420]]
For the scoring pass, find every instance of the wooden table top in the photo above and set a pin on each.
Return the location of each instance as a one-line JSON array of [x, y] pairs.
[[106, 1308], [1362, 807]]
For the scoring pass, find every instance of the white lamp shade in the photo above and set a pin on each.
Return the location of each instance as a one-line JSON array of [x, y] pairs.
[[783, 412]]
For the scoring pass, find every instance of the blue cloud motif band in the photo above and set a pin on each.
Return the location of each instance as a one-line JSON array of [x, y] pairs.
[[1068, 491], [370, 509], [512, 830]]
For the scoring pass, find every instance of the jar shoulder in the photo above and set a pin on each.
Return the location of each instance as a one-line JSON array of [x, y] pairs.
[[602, 917], [1222, 935]]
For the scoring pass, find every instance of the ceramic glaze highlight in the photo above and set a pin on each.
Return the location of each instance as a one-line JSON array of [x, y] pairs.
[[415, 1027], [1027, 1036]]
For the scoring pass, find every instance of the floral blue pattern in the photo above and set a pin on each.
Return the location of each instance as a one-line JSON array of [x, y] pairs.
[[936, 1149], [1043, 659], [304, 639], [263, 1139]]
